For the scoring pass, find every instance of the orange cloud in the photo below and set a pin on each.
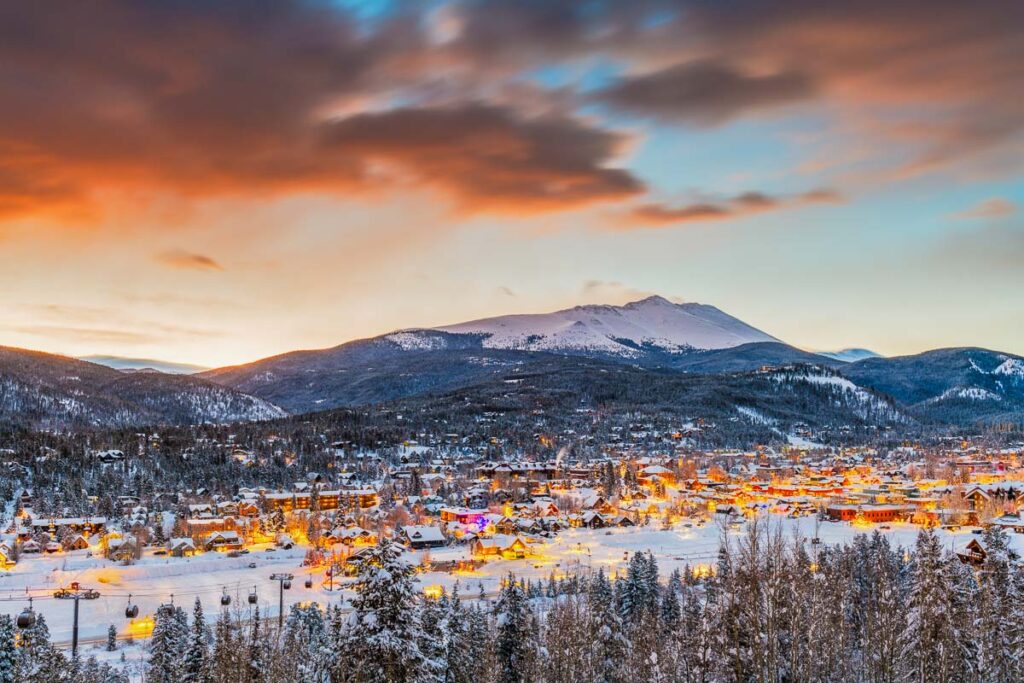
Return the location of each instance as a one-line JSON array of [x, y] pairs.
[[177, 258]]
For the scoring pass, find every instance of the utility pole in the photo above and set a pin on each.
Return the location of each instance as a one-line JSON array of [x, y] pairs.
[[284, 581], [76, 593]]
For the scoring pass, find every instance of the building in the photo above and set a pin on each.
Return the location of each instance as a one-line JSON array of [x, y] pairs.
[[500, 545], [876, 514], [344, 499], [419, 537]]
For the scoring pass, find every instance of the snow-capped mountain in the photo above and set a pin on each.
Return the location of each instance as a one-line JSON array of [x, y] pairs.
[[849, 355], [650, 324]]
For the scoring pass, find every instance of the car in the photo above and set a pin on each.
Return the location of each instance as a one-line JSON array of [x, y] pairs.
[[270, 550], [885, 527], [244, 551]]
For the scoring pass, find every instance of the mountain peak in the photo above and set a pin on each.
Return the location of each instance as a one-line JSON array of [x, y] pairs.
[[653, 300], [654, 322]]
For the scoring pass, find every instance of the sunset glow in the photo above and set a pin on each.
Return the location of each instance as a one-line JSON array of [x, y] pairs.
[[213, 183]]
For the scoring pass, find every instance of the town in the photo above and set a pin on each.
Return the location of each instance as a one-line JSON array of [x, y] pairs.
[[463, 515]]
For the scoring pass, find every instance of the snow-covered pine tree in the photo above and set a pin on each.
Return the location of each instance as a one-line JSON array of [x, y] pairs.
[[197, 653], [926, 637], [36, 656], [479, 651], [384, 632], [963, 601], [8, 651], [995, 619], [514, 646], [434, 637], [167, 646], [670, 612], [224, 657], [609, 643], [458, 658], [111, 638], [256, 666]]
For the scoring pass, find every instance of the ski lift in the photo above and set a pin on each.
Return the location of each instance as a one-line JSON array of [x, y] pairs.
[[27, 618], [253, 598], [309, 582], [166, 609], [131, 611], [225, 599], [287, 584]]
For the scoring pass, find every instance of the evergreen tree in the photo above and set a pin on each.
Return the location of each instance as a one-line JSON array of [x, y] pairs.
[[111, 638], [8, 651], [384, 630], [197, 653], [255, 664], [224, 656], [995, 620], [513, 643], [168, 645], [609, 643], [927, 634]]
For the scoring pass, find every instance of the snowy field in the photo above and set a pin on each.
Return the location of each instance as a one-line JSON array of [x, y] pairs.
[[153, 580]]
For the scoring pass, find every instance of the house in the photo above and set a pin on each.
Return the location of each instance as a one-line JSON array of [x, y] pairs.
[[223, 541], [423, 537], [463, 515], [1008, 522], [181, 547], [352, 535], [500, 545], [974, 554], [656, 472], [76, 542]]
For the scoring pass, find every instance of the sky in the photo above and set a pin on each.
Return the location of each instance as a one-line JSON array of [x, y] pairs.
[[213, 183]]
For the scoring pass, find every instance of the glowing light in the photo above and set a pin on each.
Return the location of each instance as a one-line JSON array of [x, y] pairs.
[[141, 627]]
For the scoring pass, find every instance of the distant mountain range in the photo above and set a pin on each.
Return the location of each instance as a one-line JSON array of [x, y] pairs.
[[849, 355], [145, 364], [686, 357]]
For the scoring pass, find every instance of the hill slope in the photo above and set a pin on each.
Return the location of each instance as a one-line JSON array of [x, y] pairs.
[[47, 390]]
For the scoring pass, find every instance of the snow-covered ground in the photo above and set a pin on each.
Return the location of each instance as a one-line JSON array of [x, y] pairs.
[[153, 580]]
